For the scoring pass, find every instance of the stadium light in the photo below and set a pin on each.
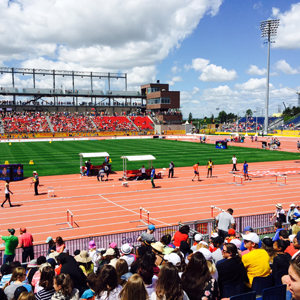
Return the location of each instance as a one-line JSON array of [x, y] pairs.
[[268, 29]]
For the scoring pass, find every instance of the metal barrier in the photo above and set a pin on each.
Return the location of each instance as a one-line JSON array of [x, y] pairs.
[[205, 227]]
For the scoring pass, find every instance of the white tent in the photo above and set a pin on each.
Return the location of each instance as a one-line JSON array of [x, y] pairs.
[[90, 155], [135, 158]]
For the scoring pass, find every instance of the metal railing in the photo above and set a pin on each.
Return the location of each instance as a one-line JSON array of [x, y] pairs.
[[260, 223]]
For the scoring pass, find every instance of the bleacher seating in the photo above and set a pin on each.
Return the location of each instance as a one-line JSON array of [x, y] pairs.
[[119, 123], [25, 122], [142, 123]]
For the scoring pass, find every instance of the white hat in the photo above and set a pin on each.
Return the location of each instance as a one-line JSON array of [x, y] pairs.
[[278, 205], [206, 253], [173, 258], [109, 251], [214, 235], [34, 172], [291, 237], [236, 242], [253, 237], [203, 243], [293, 205], [198, 237], [126, 249]]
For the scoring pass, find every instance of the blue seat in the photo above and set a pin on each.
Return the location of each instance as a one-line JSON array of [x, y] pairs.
[[274, 293], [261, 283], [278, 277], [246, 296], [230, 290]]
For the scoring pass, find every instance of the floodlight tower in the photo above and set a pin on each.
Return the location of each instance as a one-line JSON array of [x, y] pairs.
[[268, 29]]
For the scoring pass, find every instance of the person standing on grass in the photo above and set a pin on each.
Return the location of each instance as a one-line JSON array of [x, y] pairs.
[[196, 171], [152, 176], [234, 161], [246, 175], [210, 166], [7, 192], [171, 170], [36, 182]]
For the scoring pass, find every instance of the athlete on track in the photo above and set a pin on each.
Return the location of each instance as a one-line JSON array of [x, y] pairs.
[[196, 171]]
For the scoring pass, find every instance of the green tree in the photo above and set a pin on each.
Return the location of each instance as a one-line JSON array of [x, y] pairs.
[[249, 113], [222, 116], [190, 117]]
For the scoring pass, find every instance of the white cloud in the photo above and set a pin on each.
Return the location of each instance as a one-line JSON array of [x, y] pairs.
[[284, 67], [257, 5], [216, 73], [175, 70], [98, 34], [177, 78], [288, 33], [198, 64], [254, 70], [253, 84], [195, 90]]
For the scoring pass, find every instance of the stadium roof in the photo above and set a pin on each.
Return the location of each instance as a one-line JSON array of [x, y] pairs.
[[139, 157]]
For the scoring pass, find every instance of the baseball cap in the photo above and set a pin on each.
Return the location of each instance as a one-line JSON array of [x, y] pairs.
[[173, 258], [206, 253], [248, 228], [49, 238], [236, 242], [109, 251], [231, 231], [198, 237], [11, 231], [113, 245], [267, 241], [253, 237], [151, 227], [23, 229], [19, 290], [214, 235]]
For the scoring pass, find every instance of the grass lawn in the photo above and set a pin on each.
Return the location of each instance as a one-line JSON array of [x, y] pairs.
[[58, 158]]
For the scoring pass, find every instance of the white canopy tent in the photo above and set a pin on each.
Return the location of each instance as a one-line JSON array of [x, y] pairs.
[[135, 158], [90, 155]]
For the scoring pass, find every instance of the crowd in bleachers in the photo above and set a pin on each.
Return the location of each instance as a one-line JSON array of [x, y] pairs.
[[181, 267], [28, 122], [71, 122], [35, 122]]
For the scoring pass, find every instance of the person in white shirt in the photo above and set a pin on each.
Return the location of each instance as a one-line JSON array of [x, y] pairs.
[[143, 171], [234, 161]]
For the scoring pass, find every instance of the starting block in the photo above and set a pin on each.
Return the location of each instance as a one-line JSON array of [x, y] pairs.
[[125, 183]]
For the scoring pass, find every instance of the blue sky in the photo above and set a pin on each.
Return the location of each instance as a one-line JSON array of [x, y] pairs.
[[209, 50]]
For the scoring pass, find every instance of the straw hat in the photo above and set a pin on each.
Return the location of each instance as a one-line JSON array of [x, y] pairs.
[[83, 257], [158, 246], [278, 205]]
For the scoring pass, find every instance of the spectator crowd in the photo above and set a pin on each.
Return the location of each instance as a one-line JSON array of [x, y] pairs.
[[184, 266]]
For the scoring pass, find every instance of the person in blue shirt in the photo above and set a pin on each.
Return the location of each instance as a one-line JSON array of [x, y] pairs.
[[277, 227], [246, 175], [152, 177]]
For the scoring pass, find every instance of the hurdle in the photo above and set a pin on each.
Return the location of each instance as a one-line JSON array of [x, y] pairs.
[[280, 176], [238, 176], [70, 221], [212, 210], [144, 217]]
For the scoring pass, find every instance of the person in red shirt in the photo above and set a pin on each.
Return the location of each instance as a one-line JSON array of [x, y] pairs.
[[181, 235], [291, 250], [196, 171], [26, 242]]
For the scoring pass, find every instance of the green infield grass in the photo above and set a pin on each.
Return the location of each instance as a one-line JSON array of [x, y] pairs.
[[62, 157]]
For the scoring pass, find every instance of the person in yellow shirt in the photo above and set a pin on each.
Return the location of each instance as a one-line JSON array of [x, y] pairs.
[[256, 261], [210, 166]]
